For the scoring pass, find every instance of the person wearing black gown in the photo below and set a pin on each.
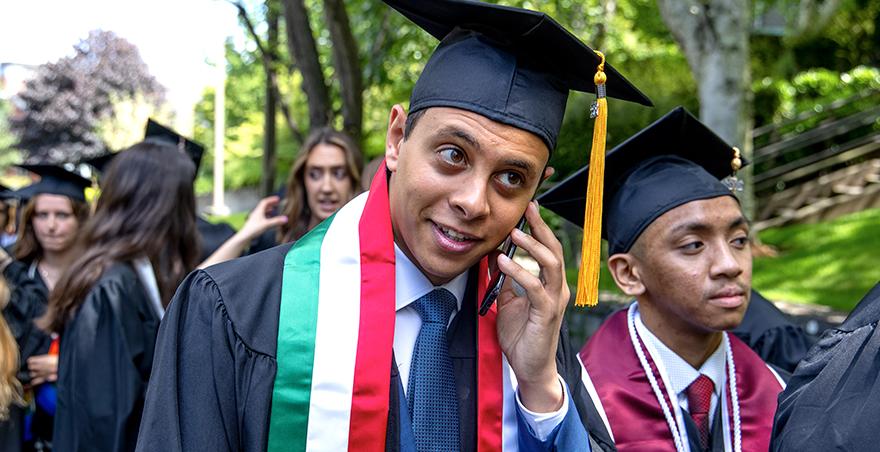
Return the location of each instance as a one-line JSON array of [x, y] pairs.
[[772, 335], [132, 254], [55, 209], [832, 401], [240, 365]]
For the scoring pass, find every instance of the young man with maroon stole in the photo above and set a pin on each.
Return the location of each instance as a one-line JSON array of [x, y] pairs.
[[365, 334], [664, 374]]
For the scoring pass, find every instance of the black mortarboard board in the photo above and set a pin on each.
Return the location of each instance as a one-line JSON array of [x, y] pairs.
[[157, 131], [100, 162], [675, 160], [511, 65], [54, 180]]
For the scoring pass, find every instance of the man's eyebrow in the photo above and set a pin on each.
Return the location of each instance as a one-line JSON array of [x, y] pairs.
[[696, 226], [460, 134], [522, 164]]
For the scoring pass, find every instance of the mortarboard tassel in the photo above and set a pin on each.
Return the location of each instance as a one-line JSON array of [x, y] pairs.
[[588, 274]]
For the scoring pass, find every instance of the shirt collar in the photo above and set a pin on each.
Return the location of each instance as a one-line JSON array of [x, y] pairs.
[[411, 284], [679, 372]]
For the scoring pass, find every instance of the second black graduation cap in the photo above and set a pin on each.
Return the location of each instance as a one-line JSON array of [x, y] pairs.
[[675, 160], [54, 180], [511, 65], [157, 131]]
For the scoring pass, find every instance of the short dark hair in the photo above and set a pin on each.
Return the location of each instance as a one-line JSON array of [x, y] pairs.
[[411, 122]]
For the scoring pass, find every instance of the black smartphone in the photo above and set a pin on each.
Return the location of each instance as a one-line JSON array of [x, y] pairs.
[[498, 278]]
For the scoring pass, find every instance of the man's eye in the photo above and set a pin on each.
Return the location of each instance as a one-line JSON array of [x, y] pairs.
[[741, 241], [692, 246], [511, 179], [452, 156]]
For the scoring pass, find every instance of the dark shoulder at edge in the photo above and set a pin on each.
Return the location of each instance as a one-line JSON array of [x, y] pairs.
[[250, 291]]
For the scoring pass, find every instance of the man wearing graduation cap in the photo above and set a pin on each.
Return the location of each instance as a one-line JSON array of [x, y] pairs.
[[365, 335], [664, 374]]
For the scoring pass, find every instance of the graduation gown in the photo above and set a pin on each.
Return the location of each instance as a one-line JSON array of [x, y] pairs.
[[833, 399], [770, 333], [104, 365], [215, 365], [211, 236], [621, 391]]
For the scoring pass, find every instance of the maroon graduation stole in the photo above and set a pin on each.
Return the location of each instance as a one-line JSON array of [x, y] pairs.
[[637, 420]]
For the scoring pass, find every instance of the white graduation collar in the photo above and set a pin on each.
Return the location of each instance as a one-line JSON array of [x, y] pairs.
[[411, 284], [679, 372]]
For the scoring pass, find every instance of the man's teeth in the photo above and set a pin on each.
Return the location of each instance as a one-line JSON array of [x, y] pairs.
[[453, 235]]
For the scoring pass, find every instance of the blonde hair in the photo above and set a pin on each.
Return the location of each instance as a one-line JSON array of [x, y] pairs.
[[10, 387]]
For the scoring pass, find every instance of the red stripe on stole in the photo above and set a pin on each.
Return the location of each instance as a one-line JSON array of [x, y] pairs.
[[372, 371], [490, 382]]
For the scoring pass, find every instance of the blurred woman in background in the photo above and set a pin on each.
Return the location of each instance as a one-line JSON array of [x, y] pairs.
[[325, 175], [10, 387], [130, 257], [54, 209]]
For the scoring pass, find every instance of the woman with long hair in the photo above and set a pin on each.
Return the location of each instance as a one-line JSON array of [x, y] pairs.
[[325, 175], [54, 209], [10, 387], [131, 255]]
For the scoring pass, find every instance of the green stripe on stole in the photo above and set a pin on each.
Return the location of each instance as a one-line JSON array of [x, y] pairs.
[[295, 354]]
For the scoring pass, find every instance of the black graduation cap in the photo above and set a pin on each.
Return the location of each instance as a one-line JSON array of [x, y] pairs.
[[100, 162], [511, 65], [54, 180], [160, 132], [675, 160]]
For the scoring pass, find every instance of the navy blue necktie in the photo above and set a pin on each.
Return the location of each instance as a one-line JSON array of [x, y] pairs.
[[431, 395]]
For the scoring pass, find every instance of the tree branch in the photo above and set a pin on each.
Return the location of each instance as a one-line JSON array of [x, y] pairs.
[[304, 52], [348, 68], [268, 60]]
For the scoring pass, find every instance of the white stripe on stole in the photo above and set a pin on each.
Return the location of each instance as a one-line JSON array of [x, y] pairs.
[[336, 333]]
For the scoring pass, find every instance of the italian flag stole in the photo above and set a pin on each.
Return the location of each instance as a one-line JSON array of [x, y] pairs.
[[336, 332]]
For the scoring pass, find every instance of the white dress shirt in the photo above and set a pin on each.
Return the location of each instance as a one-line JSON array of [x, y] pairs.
[[680, 374], [411, 284]]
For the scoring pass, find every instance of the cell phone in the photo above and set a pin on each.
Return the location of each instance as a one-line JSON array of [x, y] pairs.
[[498, 278]]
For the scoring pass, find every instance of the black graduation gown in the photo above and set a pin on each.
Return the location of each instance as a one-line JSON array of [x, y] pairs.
[[770, 333], [833, 399], [27, 302], [211, 236], [104, 365], [215, 362]]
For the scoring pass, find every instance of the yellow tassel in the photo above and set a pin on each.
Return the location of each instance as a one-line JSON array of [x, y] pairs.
[[591, 247]]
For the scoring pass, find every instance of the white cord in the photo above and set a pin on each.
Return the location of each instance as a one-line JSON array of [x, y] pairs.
[[670, 420]]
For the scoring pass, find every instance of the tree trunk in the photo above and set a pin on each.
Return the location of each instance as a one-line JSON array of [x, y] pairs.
[[302, 48], [267, 178], [348, 68], [714, 36]]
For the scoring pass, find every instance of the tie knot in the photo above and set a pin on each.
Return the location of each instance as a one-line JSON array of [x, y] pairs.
[[699, 395], [436, 306]]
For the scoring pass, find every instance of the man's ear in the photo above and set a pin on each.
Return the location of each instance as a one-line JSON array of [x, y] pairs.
[[548, 173], [395, 135], [624, 268]]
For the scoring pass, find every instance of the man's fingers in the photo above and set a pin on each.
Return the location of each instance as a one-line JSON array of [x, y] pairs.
[[531, 283], [550, 263], [540, 230]]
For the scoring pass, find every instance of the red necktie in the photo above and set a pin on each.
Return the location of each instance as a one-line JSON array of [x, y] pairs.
[[699, 395]]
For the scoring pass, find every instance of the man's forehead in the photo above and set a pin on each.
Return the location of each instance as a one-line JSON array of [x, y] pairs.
[[483, 133], [720, 213]]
